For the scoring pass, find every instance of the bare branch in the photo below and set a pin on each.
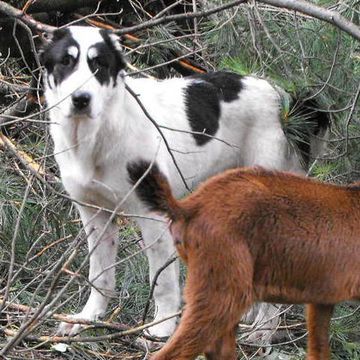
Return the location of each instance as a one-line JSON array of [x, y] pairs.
[[166, 19], [160, 132], [330, 16], [153, 284], [28, 20], [305, 7]]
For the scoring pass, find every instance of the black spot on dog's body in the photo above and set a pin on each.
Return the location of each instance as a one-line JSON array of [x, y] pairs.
[[108, 62], [202, 99], [227, 84], [55, 56], [203, 110]]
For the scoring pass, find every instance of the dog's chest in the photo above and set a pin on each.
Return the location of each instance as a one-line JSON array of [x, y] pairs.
[[90, 183]]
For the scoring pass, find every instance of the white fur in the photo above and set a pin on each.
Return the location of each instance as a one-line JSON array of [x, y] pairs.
[[93, 151], [73, 51]]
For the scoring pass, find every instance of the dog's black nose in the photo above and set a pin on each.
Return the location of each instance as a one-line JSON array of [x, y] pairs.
[[81, 100]]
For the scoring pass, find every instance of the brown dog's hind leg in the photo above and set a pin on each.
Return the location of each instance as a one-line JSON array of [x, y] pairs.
[[318, 323], [217, 293], [224, 348], [206, 321]]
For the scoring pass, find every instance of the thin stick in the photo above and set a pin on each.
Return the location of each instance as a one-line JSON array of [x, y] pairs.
[[153, 284], [160, 132]]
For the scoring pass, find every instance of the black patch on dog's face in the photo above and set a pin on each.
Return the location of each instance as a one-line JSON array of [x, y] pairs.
[[60, 63], [108, 61], [56, 58], [203, 98]]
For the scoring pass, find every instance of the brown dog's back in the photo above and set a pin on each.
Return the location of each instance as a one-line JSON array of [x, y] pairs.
[[302, 235], [254, 235]]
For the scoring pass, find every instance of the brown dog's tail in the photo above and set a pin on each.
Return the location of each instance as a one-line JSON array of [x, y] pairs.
[[153, 189]]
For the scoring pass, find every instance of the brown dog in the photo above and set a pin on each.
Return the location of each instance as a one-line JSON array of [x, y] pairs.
[[252, 235]]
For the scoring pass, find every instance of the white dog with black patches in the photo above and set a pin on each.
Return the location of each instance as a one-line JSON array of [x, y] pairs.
[[98, 128]]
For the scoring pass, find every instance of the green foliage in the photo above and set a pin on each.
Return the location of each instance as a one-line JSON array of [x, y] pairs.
[[240, 66], [43, 221], [345, 340]]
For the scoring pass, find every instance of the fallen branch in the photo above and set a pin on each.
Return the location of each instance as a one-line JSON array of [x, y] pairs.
[[25, 159], [7, 88], [21, 108], [66, 318], [27, 19], [122, 330]]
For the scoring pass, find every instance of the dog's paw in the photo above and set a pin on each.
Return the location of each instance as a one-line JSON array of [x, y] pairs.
[[72, 328], [162, 330], [67, 329]]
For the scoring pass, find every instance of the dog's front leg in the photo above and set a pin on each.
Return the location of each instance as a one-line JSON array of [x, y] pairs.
[[102, 244], [167, 290]]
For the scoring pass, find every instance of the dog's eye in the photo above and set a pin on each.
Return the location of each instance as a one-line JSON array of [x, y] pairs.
[[67, 60]]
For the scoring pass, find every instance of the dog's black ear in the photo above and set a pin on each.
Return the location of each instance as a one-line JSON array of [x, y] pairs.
[[114, 42], [49, 40], [117, 39], [111, 36], [43, 39], [47, 37], [58, 34], [43, 42], [43, 51]]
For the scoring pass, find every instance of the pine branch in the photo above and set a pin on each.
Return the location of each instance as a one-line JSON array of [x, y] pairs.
[[330, 16], [305, 7], [166, 19]]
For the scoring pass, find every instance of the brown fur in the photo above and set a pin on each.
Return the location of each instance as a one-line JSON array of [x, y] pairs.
[[252, 235]]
